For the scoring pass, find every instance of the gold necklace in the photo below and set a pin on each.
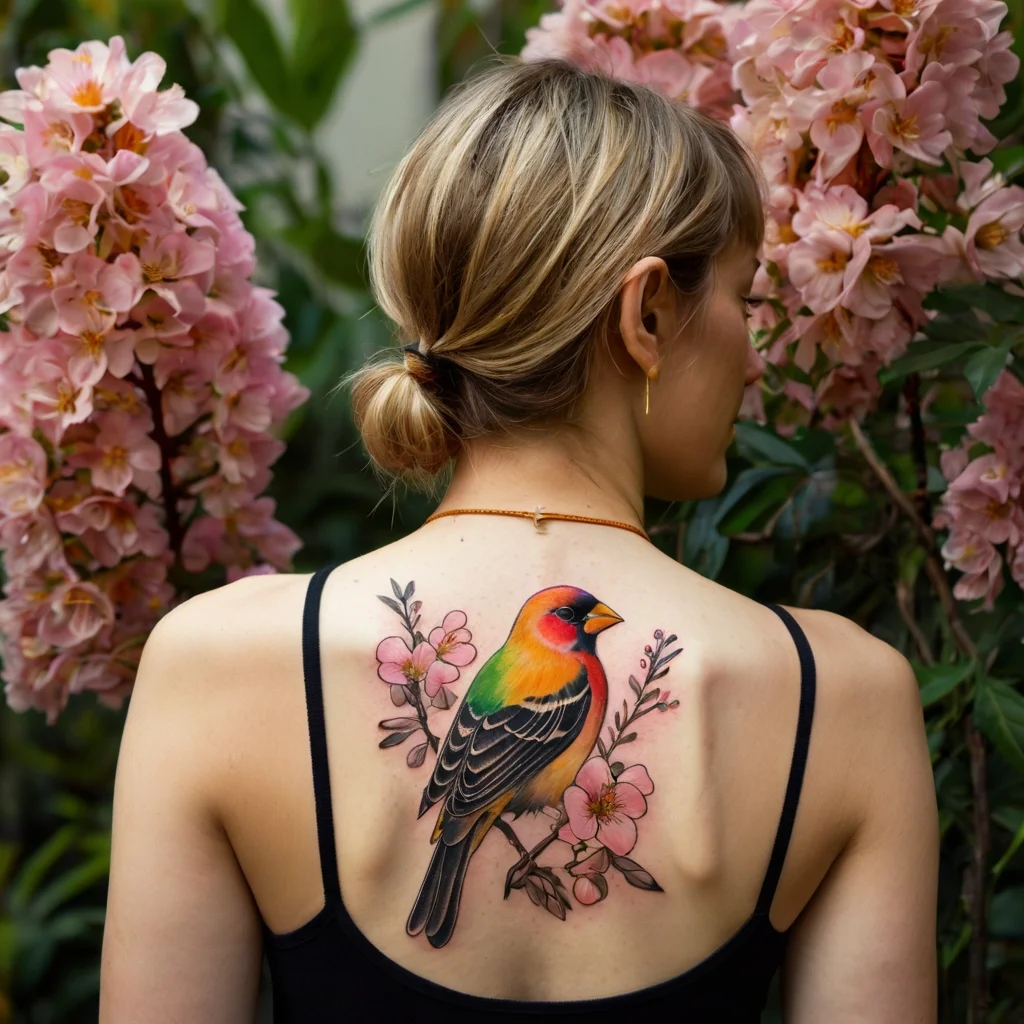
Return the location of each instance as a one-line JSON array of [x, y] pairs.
[[538, 515]]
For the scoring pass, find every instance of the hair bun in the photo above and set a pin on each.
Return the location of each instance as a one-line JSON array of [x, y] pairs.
[[403, 423]]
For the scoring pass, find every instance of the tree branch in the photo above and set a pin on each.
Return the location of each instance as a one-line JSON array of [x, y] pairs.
[[169, 492]]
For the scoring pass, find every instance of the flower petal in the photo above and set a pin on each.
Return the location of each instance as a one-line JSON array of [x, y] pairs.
[[593, 775], [435, 636], [438, 675], [577, 805], [636, 775], [629, 800], [618, 833], [391, 672], [453, 621], [394, 649], [423, 655], [460, 654]]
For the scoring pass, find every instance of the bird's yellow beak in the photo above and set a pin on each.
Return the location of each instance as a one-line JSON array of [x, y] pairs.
[[600, 617]]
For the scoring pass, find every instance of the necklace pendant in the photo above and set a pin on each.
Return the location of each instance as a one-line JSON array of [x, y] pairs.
[[538, 515]]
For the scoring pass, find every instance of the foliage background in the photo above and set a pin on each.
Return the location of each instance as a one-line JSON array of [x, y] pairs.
[[806, 520]]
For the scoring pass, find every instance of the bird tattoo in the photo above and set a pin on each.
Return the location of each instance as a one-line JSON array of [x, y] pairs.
[[526, 725]]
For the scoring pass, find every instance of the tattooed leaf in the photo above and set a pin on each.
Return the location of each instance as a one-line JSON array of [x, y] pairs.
[[650, 695], [416, 756], [618, 721], [397, 590], [628, 738], [617, 769], [594, 864], [601, 748], [444, 699], [394, 739], [399, 723], [611, 734], [546, 890], [659, 675], [410, 589], [415, 607], [634, 685], [391, 603], [669, 657], [670, 639], [399, 695], [635, 874]]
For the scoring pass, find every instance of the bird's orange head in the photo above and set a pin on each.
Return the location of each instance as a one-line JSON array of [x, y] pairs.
[[563, 619]]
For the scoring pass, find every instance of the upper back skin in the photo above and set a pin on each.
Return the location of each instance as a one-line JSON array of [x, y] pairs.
[[718, 761]]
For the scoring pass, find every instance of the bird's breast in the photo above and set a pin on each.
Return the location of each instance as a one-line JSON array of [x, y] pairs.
[[545, 789]]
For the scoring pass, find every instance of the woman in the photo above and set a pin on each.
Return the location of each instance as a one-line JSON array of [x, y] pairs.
[[555, 775]]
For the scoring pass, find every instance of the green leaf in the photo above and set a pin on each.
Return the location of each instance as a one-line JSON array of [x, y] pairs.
[[745, 482], [1009, 161], [69, 885], [995, 301], [704, 548], [984, 367], [769, 445], [325, 42], [1006, 914], [936, 681], [1015, 844], [999, 714], [925, 356], [246, 24], [34, 870], [338, 257], [394, 11]]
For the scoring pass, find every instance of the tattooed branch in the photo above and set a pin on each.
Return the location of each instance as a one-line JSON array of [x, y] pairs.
[[419, 669]]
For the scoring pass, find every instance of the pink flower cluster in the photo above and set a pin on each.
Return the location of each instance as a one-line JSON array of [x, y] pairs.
[[853, 110], [140, 375], [983, 507], [867, 119], [679, 47], [429, 663]]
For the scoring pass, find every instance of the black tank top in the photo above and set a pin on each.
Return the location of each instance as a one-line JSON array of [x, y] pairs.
[[328, 971]]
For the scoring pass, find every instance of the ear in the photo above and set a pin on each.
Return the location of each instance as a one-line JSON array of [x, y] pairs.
[[647, 312]]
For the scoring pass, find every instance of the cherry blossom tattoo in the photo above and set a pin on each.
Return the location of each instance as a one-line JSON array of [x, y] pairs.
[[525, 737]]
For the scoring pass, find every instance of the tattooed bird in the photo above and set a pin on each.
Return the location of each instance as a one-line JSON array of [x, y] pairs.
[[527, 723]]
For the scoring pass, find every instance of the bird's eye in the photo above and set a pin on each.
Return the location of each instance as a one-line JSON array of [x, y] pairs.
[[564, 613]]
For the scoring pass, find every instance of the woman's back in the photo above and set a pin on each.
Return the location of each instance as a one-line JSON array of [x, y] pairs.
[[719, 762], [570, 259]]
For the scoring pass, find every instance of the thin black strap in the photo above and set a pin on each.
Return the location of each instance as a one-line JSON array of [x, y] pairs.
[[799, 763], [318, 734]]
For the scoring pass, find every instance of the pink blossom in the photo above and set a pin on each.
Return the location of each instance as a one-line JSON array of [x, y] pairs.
[[399, 665], [589, 884], [120, 448], [603, 807], [125, 281], [22, 474], [992, 240], [75, 611], [451, 640], [912, 124]]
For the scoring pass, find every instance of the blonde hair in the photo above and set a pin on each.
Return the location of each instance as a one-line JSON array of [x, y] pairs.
[[500, 242]]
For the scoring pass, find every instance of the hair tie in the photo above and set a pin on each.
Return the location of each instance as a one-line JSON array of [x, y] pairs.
[[437, 371]]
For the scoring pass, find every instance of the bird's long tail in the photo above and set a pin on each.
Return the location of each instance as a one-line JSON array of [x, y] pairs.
[[437, 903]]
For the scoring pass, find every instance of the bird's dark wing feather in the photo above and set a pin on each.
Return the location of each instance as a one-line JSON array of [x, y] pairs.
[[507, 748], [451, 756]]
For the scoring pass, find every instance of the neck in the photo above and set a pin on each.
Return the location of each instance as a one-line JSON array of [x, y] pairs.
[[571, 470]]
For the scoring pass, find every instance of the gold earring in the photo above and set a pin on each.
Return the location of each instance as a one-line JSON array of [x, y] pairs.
[[652, 374]]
